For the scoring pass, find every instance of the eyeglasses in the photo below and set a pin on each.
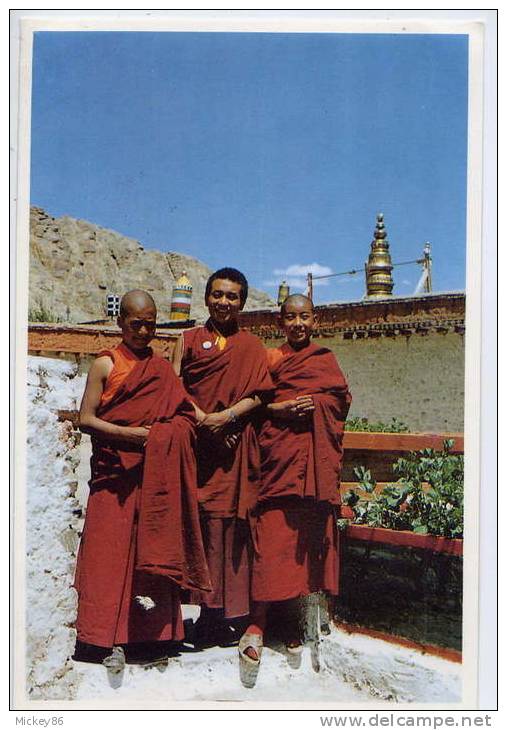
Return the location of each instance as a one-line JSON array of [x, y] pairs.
[[137, 324]]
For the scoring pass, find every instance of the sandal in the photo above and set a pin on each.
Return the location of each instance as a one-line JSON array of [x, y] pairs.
[[294, 647], [115, 662], [250, 641]]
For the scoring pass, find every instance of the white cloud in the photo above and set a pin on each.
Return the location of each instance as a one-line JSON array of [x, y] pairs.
[[303, 269], [293, 281], [295, 275]]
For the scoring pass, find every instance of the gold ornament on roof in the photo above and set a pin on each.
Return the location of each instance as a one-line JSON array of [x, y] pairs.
[[379, 282], [283, 292]]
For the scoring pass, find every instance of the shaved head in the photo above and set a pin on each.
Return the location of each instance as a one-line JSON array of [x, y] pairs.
[[137, 320], [297, 319], [296, 299], [135, 300]]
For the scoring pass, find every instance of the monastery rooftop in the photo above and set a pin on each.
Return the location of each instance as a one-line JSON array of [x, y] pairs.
[[436, 312]]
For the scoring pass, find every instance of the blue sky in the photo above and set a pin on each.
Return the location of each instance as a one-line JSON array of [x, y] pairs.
[[268, 152]]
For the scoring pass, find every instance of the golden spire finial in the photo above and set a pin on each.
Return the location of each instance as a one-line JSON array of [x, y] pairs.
[[283, 292], [379, 282]]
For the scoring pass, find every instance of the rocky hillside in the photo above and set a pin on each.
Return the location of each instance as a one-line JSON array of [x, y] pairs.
[[74, 264]]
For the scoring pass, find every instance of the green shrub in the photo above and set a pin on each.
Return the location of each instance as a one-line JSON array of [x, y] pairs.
[[362, 424], [427, 498]]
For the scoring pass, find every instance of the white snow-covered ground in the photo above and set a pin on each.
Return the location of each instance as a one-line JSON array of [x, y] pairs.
[[353, 669], [213, 675]]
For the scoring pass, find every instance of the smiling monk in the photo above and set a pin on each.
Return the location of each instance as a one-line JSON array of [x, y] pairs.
[[225, 372], [141, 540], [294, 522]]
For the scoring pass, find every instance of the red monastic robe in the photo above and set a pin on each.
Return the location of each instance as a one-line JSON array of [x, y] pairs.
[[294, 523], [141, 541], [228, 479]]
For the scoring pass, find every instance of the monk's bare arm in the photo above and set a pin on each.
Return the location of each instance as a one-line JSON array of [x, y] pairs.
[[199, 414], [178, 355], [245, 406], [296, 408], [88, 420], [217, 421]]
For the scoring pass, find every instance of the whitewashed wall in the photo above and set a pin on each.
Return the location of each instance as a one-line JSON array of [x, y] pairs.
[[52, 537]]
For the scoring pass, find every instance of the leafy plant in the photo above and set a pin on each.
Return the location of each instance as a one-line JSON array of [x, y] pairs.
[[427, 498], [362, 424]]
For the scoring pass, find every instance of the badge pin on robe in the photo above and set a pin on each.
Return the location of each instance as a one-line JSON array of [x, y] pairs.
[[207, 345]]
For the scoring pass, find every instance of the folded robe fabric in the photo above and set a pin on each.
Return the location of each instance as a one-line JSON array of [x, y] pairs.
[[169, 540], [120, 528], [228, 479], [304, 458], [295, 536], [296, 549]]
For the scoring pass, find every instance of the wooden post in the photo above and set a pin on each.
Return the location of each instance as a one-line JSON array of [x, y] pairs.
[[309, 278], [427, 267]]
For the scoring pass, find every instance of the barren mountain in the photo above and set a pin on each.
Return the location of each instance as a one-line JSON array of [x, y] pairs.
[[75, 264]]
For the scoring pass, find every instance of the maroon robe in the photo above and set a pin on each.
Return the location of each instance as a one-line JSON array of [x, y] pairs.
[[141, 541], [294, 526], [228, 479]]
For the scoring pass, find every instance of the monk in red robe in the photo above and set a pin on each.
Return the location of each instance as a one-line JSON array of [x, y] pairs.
[[141, 540], [225, 372], [294, 528]]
